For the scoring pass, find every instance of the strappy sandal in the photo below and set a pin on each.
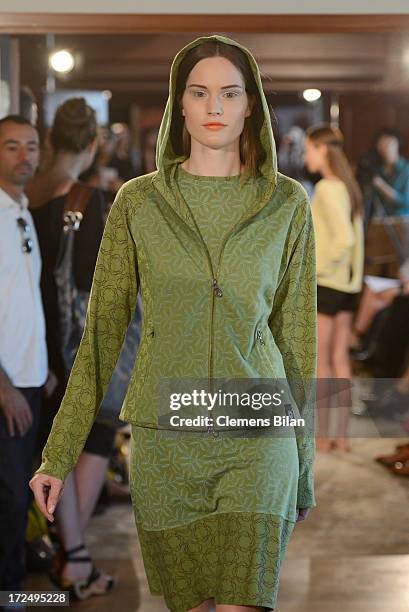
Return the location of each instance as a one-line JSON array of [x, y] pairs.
[[83, 588]]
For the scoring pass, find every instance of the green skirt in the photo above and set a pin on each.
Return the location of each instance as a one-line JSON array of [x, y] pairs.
[[214, 516]]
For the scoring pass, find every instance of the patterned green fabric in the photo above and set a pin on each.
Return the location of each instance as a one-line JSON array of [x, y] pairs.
[[266, 271], [234, 558], [200, 476], [201, 535], [216, 204]]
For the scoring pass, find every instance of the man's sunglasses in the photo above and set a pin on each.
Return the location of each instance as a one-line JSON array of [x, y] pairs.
[[27, 244]]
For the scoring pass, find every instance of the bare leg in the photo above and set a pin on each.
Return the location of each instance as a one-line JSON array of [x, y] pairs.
[[89, 474], [325, 327], [75, 508], [362, 319], [342, 369], [69, 528], [67, 515], [370, 304]]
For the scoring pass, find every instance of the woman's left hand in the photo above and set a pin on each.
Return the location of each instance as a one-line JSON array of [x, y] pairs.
[[302, 514]]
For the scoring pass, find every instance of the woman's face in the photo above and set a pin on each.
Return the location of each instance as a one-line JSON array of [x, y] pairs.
[[215, 93], [315, 156], [388, 149]]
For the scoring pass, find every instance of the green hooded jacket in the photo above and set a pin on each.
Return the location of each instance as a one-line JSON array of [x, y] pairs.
[[253, 315]]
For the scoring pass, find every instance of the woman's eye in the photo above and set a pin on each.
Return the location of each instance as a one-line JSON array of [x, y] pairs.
[[228, 94]]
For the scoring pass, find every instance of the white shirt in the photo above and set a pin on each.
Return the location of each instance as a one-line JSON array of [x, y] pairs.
[[23, 350]]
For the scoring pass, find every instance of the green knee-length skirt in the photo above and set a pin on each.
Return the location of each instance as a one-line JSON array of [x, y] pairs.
[[214, 515]]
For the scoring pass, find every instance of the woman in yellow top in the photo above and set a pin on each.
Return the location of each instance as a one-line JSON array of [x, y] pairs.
[[338, 225]]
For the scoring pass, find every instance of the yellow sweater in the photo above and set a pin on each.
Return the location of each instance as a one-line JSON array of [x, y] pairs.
[[339, 241]]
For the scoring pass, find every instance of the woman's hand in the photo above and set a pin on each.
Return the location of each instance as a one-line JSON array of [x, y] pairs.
[[302, 514], [47, 491]]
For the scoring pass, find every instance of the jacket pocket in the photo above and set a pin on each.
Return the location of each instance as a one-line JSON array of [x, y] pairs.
[[267, 353]]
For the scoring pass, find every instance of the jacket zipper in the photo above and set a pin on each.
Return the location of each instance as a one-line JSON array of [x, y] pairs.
[[216, 291]]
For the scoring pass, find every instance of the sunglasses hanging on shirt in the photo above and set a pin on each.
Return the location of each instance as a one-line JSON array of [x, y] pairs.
[[27, 244]]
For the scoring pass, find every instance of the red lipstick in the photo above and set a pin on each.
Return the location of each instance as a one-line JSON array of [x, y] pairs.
[[214, 125]]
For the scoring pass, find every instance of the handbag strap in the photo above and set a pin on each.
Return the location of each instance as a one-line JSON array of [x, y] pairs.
[[78, 197], [75, 205]]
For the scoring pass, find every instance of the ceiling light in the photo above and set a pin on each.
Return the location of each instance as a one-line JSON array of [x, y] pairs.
[[62, 61], [311, 95]]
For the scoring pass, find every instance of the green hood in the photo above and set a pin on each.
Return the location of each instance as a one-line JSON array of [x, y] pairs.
[[167, 160]]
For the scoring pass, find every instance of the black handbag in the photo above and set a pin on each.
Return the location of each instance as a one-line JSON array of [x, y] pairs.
[[72, 302]]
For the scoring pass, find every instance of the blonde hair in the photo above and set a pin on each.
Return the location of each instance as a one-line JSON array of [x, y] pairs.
[[338, 162]]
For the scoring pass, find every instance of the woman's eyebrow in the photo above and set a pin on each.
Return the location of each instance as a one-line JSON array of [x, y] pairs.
[[204, 86]]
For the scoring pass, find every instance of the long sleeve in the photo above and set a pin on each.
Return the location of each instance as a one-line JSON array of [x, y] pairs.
[[110, 309], [333, 205], [293, 323], [402, 192]]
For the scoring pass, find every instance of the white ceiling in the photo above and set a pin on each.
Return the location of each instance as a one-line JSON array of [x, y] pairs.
[[334, 7]]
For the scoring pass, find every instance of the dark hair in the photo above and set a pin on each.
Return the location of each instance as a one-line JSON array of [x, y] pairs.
[[18, 119], [252, 154], [391, 132], [338, 162], [74, 126], [374, 155]]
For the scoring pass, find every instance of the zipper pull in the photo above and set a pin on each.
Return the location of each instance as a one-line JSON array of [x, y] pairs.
[[212, 430], [260, 336], [217, 291]]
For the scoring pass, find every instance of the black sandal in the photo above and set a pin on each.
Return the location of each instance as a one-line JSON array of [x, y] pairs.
[[83, 588]]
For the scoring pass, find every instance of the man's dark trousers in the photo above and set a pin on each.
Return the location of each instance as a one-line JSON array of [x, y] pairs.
[[16, 459]]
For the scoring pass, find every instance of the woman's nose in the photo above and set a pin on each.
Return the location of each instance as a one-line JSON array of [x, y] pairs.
[[215, 106]]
